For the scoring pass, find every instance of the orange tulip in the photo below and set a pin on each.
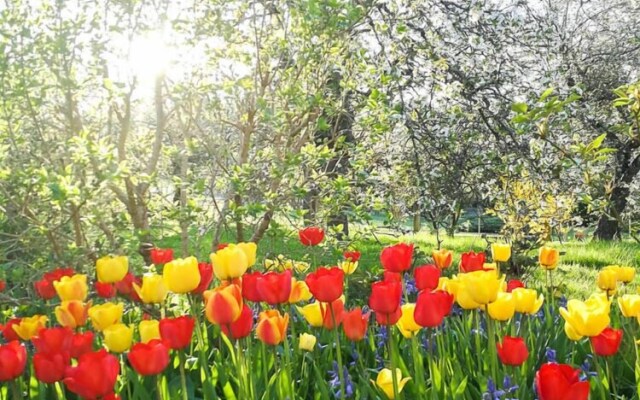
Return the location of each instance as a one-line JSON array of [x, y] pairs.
[[442, 258], [299, 291], [72, 314], [272, 327], [224, 304], [548, 257]]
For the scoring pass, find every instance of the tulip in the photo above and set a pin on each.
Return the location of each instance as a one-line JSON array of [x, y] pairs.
[[500, 252], [588, 318], [272, 327], [548, 257], [299, 291], [230, 262], [181, 275], [607, 342], [385, 297], [50, 367], [221, 246], [81, 343], [30, 326], [629, 305], [626, 274], [503, 308], [385, 382], [3, 285], [153, 290], [224, 304], [8, 332], [312, 313], [53, 340], [206, 276], [514, 284], [58, 273], [311, 236], [560, 382], [149, 330], [72, 288], [44, 289], [72, 314], [432, 307], [482, 286], [94, 376], [355, 324], [13, 359], [326, 284], [125, 286], [249, 249], [250, 286], [463, 296], [397, 258], [471, 261], [427, 277], [332, 313], [105, 290], [512, 351], [306, 342], [607, 281], [177, 332], [118, 338], [275, 288], [527, 300], [149, 358], [112, 269], [353, 255], [442, 258], [391, 318], [349, 267], [241, 327], [161, 256], [104, 315], [407, 324], [388, 276]]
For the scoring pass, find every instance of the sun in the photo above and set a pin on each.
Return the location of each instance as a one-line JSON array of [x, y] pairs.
[[149, 57]]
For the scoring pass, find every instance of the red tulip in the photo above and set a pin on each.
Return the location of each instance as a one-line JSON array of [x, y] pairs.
[[112, 396], [50, 367], [326, 284], [427, 277], [81, 343], [275, 288], [8, 332], [472, 262], [311, 236], [221, 246], [432, 307], [352, 256], [58, 274], [607, 342], [206, 276], [94, 376], [13, 359], [385, 297], [223, 304], [389, 276], [3, 285], [390, 318], [514, 284], [105, 290], [53, 340], [177, 332], [397, 258], [241, 327], [250, 286], [149, 358], [332, 314], [560, 382], [45, 289], [125, 286], [512, 351], [161, 256], [355, 324]]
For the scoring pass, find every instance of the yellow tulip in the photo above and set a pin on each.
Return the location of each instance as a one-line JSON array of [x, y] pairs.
[[492, 266], [249, 249], [301, 266], [112, 269], [503, 308], [182, 275], [153, 289], [527, 301], [307, 342], [30, 326], [230, 262], [72, 288], [149, 330], [607, 281], [407, 324], [501, 252], [104, 315], [72, 314], [629, 305], [548, 257], [482, 286], [587, 318], [299, 291], [623, 274], [118, 338], [312, 313], [462, 296], [385, 382], [349, 267], [571, 333]]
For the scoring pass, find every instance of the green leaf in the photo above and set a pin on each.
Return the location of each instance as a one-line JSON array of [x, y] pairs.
[[545, 94], [519, 108]]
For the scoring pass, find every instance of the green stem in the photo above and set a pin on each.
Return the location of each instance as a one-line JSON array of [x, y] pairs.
[[241, 382], [15, 390], [183, 377], [338, 352], [252, 388], [202, 357], [492, 346], [612, 381], [59, 389], [159, 387], [265, 371], [392, 356], [418, 366], [599, 370]]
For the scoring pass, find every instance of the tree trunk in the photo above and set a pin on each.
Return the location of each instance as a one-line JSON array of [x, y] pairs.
[[417, 222]]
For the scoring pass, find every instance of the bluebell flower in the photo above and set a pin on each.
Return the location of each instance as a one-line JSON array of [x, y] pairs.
[[335, 381], [551, 355], [586, 369]]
